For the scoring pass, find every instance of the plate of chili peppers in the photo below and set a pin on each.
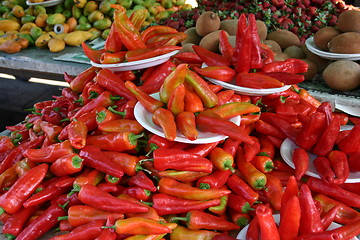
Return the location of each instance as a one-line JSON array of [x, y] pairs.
[[287, 148], [242, 233], [329, 55], [135, 65], [144, 117]]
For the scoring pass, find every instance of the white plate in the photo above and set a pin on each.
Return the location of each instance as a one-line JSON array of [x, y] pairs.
[[49, 3], [328, 55], [287, 149], [245, 90], [135, 65], [242, 233], [144, 117]]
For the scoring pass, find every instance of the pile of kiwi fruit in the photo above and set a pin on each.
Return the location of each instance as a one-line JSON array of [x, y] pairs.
[[344, 38]]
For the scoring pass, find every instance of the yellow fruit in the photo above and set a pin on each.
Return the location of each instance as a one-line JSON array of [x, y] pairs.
[[43, 40], [75, 38], [9, 25], [40, 20], [56, 45], [80, 3], [27, 27], [18, 11]]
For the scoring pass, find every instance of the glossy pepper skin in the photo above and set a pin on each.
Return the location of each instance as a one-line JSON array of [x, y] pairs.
[[165, 119], [129, 35], [94, 197], [182, 190], [268, 229], [12, 200], [197, 219]]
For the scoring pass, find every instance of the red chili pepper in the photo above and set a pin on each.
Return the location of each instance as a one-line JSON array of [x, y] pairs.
[[183, 190], [339, 163], [166, 158], [165, 119], [108, 233], [88, 230], [286, 78], [17, 221], [89, 176], [274, 191], [230, 146], [257, 80], [243, 46], [237, 203], [263, 163], [153, 82], [127, 162], [310, 221], [186, 124], [150, 214], [138, 17], [327, 140], [344, 215], [121, 125], [196, 219], [113, 41], [221, 159], [95, 158], [42, 224], [328, 217], [166, 204], [148, 102], [113, 83], [139, 225], [324, 169], [77, 132], [173, 80], [128, 34], [20, 191], [348, 144], [222, 73], [255, 178], [290, 220], [188, 57], [142, 180], [176, 102], [226, 49], [192, 101], [224, 96], [216, 179], [94, 197], [267, 129], [291, 190], [334, 191], [93, 54], [170, 39], [146, 53], [210, 58], [113, 57], [301, 162], [291, 65], [67, 165], [77, 84], [241, 188], [114, 141], [138, 193], [49, 192], [233, 109], [152, 31], [348, 231], [253, 231], [251, 149], [268, 228], [256, 59], [208, 121]]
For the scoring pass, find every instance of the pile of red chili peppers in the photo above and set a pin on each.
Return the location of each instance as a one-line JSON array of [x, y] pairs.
[[82, 165]]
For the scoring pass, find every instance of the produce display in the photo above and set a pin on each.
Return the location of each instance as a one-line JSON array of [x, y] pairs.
[[22, 25], [82, 163]]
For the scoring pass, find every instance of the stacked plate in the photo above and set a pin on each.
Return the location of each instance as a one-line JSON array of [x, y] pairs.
[[328, 55], [135, 65]]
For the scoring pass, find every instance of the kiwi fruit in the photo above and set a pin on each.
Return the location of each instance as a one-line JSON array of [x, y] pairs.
[[274, 46], [346, 43], [348, 21], [281, 56], [323, 36], [230, 26], [232, 40], [321, 63], [192, 36], [342, 75], [207, 23], [284, 38], [211, 41], [294, 52], [312, 70], [262, 29], [187, 47]]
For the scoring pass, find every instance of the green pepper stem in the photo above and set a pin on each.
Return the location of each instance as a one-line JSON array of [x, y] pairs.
[[76, 161], [111, 109], [133, 138], [63, 218]]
